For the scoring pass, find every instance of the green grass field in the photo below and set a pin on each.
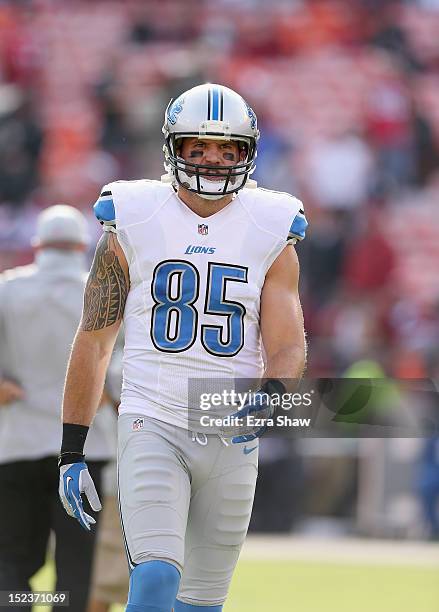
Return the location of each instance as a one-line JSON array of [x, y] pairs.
[[287, 586]]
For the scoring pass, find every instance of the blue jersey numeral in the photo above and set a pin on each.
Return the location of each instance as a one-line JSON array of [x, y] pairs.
[[174, 319], [217, 304], [185, 276]]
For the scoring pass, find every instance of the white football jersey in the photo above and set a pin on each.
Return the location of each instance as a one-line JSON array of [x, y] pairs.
[[193, 307]]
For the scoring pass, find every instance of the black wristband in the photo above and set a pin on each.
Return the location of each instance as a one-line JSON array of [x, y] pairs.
[[65, 458], [273, 386], [73, 438]]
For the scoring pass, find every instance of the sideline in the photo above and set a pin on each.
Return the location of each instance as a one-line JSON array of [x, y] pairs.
[[341, 550]]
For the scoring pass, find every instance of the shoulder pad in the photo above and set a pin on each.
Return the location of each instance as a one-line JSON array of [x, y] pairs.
[[298, 227], [104, 208]]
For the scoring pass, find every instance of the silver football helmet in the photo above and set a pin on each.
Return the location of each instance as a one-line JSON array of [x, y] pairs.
[[211, 112]]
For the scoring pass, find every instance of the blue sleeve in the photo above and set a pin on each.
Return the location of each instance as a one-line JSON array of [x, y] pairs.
[[298, 227], [104, 209]]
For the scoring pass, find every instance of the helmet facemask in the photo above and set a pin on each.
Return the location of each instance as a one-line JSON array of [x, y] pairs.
[[197, 178]]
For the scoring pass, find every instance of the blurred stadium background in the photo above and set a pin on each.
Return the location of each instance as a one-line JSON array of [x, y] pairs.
[[347, 96]]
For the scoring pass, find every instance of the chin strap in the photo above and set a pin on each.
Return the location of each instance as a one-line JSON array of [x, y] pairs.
[[170, 180]]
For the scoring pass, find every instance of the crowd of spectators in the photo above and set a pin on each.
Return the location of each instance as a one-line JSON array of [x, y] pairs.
[[347, 97]]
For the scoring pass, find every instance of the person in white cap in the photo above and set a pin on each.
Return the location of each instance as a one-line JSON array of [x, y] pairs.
[[40, 306]]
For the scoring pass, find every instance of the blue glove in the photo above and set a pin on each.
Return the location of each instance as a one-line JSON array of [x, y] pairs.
[[260, 406], [74, 479]]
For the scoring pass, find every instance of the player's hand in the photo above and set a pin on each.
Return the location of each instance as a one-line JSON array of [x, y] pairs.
[[259, 407], [74, 479]]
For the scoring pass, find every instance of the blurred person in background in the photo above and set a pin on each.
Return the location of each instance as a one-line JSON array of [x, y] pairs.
[[40, 305], [428, 486], [279, 490], [21, 140], [339, 170]]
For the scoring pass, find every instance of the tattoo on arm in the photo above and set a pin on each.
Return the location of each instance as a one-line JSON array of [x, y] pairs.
[[107, 288]]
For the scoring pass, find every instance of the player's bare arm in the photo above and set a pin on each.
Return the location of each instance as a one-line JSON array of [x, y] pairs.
[[282, 326], [283, 337], [107, 286], [104, 303]]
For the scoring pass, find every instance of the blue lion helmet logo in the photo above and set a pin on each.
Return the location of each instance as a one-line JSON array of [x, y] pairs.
[[251, 114], [175, 108]]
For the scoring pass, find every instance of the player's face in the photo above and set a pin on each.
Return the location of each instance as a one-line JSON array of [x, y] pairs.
[[218, 153]]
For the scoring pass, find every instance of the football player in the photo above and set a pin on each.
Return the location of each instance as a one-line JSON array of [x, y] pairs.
[[201, 268]]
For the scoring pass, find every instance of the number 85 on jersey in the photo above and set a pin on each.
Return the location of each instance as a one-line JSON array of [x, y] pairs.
[[175, 288]]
